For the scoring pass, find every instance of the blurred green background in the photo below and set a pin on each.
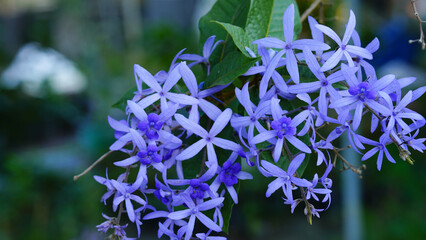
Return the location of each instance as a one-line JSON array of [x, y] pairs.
[[64, 63]]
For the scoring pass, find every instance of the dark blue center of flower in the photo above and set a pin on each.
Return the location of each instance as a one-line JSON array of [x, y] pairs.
[[228, 173], [253, 119], [208, 138], [149, 155], [343, 47], [288, 46], [162, 194], [151, 126], [283, 127], [363, 91], [324, 82], [198, 188]]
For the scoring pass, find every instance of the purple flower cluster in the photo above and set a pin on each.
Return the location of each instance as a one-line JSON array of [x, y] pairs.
[[170, 127]]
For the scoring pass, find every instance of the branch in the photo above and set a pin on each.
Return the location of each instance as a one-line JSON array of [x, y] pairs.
[[93, 165], [309, 10], [421, 39]]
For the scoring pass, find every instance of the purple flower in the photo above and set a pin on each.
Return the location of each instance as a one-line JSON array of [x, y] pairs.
[[195, 212], [207, 138], [268, 72], [208, 49], [229, 175], [312, 190], [379, 147], [126, 195], [324, 83], [254, 113], [191, 83], [285, 179], [397, 113], [361, 93], [359, 61], [283, 128], [289, 45], [163, 93], [344, 49]]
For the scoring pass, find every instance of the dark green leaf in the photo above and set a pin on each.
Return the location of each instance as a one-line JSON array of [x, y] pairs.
[[122, 103], [231, 67], [226, 11], [239, 37]]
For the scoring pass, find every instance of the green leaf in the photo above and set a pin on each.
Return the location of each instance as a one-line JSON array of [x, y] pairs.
[[231, 67], [239, 37], [226, 11], [122, 102], [259, 19], [264, 19]]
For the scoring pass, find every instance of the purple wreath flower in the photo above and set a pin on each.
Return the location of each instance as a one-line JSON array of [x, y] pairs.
[[207, 138], [379, 147], [195, 212], [289, 45], [283, 128], [285, 179], [229, 175], [344, 49], [254, 113], [208, 49], [362, 93], [126, 195], [163, 93], [268, 59]]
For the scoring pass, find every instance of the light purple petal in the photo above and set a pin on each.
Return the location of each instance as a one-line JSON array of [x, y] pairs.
[[378, 107], [312, 45], [298, 144], [404, 101], [272, 169], [193, 127], [181, 98], [209, 109], [270, 42], [117, 125], [207, 205], [233, 193], [148, 100], [295, 164], [147, 78], [189, 78], [349, 28], [208, 222], [190, 227], [278, 149], [291, 65], [137, 139], [357, 115], [191, 150], [245, 97], [226, 144], [288, 23], [329, 32], [130, 210], [343, 102], [274, 186], [221, 122], [127, 162], [137, 110], [333, 60], [180, 214], [359, 51], [264, 136]]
